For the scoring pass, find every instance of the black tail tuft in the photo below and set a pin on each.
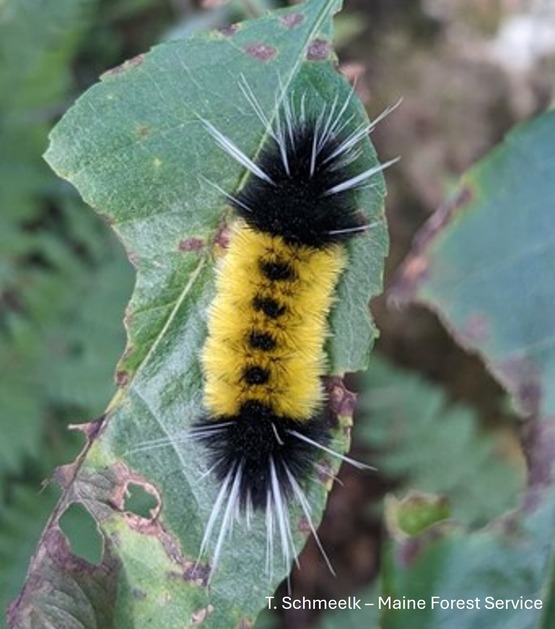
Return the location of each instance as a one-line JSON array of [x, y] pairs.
[[254, 441]]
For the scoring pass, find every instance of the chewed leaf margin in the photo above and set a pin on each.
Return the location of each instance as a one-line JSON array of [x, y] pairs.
[[134, 148]]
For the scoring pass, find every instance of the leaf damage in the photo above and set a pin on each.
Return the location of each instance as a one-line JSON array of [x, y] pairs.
[[414, 270], [229, 30], [191, 244], [57, 583], [342, 402], [292, 19], [319, 50], [260, 51], [130, 64]]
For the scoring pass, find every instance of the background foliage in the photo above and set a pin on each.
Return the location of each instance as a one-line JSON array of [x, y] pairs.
[[64, 280]]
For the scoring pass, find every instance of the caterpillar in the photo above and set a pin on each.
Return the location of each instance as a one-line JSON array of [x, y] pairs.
[[264, 422]]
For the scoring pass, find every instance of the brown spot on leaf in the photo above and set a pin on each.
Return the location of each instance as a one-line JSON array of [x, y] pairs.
[[141, 525], [104, 215], [136, 61], [318, 50], [304, 525], [292, 20], [127, 319], [122, 377], [223, 236], [539, 449], [191, 244], [411, 275], [415, 268], [197, 573], [408, 550], [133, 258], [261, 52], [126, 65], [245, 624], [57, 547], [342, 402], [113, 71], [229, 30], [142, 131], [325, 473]]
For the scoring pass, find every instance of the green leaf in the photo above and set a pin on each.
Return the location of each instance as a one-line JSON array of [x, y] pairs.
[[488, 271], [485, 263], [135, 148], [415, 513]]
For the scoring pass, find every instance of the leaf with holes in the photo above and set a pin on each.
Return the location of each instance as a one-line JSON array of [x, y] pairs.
[[136, 150]]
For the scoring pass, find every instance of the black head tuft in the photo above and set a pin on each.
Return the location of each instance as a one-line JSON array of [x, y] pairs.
[[297, 204]]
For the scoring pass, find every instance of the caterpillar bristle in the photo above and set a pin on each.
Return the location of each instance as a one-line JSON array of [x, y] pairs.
[[305, 506], [235, 152], [227, 195], [321, 446]]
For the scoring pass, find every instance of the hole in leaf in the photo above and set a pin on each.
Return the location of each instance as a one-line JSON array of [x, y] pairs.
[[139, 501], [82, 533]]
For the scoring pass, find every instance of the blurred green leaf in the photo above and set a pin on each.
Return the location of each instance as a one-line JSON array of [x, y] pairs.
[[485, 263], [423, 443], [348, 27], [135, 148], [60, 346], [415, 513]]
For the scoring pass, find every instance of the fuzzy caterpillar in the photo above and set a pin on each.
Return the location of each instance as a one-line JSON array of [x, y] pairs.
[[264, 355]]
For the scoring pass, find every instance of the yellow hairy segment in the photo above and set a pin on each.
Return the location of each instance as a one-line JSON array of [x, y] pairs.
[[290, 311]]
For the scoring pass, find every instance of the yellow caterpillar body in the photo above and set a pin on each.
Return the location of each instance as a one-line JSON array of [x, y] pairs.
[[268, 319]]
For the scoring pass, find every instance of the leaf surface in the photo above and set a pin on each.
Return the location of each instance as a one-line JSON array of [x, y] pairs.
[[136, 149]]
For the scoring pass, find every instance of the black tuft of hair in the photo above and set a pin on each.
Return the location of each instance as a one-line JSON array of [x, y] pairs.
[[252, 442], [298, 202]]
